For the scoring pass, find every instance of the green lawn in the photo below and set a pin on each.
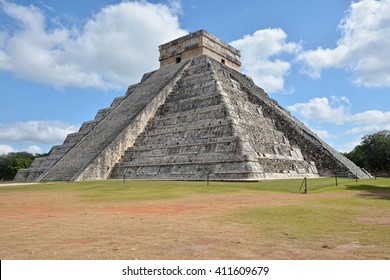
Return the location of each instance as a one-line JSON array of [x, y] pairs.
[[144, 190]]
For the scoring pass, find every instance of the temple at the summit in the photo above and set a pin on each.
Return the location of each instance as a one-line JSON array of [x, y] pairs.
[[195, 116], [196, 44]]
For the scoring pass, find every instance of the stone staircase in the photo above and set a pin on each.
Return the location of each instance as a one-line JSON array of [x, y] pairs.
[[92, 156], [205, 128], [190, 136], [42, 165]]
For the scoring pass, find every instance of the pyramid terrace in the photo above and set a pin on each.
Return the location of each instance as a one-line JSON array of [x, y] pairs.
[[195, 117]]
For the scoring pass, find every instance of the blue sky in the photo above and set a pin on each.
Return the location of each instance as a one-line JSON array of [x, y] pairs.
[[326, 61]]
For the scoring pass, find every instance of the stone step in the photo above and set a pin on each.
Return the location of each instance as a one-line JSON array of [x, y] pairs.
[[187, 143], [86, 127], [196, 97], [118, 100], [190, 104], [189, 116], [59, 151], [186, 91], [161, 176], [233, 148], [198, 125], [193, 167], [204, 133], [210, 158]]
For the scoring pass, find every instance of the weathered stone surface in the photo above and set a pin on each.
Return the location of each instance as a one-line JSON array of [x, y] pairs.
[[187, 121], [328, 161], [199, 43], [91, 153], [208, 125]]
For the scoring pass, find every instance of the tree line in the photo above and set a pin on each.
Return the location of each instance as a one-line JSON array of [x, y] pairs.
[[12, 162], [373, 153]]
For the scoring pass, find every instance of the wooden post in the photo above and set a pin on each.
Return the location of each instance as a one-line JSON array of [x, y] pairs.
[[304, 182], [305, 185]]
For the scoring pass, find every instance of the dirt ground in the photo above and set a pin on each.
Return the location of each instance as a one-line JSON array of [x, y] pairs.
[[60, 225]]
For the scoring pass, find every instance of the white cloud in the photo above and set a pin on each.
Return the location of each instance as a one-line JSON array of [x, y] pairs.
[[322, 133], [367, 129], [36, 132], [337, 111], [372, 116], [261, 57], [175, 6], [5, 149], [34, 149], [363, 48], [349, 146], [320, 109], [369, 122], [113, 48]]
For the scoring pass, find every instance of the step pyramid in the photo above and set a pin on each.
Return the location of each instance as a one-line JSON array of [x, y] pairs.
[[196, 117]]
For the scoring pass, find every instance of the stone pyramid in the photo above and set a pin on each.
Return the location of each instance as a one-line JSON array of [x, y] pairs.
[[195, 117]]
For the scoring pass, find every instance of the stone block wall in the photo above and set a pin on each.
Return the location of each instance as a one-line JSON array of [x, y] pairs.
[[196, 44]]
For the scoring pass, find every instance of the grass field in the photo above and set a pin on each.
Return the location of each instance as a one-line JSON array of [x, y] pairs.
[[190, 220]]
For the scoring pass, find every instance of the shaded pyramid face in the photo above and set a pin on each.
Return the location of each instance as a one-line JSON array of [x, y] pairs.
[[189, 121]]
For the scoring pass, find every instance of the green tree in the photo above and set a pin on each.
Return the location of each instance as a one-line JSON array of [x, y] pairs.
[[376, 148], [12, 162], [373, 153], [357, 156], [18, 163]]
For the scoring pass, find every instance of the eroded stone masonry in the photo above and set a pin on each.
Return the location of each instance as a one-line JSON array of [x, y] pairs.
[[196, 116]]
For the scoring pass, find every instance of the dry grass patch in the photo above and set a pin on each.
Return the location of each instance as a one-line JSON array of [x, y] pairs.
[[188, 220]]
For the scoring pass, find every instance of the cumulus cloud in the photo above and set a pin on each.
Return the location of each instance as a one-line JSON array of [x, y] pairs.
[[362, 48], [261, 57], [5, 149], [322, 133], [349, 146], [321, 109], [369, 122], [113, 48], [337, 110], [175, 6], [36, 132], [33, 149]]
